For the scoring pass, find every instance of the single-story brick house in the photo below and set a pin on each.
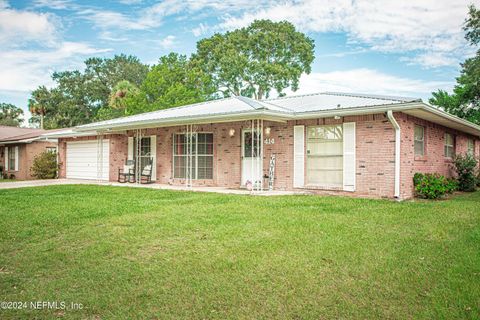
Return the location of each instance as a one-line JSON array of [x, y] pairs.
[[363, 145], [18, 148]]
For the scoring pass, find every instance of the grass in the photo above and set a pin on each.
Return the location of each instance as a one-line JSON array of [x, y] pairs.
[[140, 253]]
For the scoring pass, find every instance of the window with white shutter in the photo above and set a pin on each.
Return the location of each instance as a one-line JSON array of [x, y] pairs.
[[298, 156]]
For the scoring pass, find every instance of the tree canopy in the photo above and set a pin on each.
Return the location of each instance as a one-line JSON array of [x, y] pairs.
[[465, 99], [251, 61], [174, 81], [78, 96], [254, 60], [10, 115]]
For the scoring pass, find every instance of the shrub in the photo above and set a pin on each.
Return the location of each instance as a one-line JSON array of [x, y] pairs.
[[45, 165], [433, 185], [452, 185], [465, 166], [417, 178]]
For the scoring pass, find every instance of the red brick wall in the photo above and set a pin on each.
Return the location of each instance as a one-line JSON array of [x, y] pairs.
[[374, 153], [434, 160], [26, 155]]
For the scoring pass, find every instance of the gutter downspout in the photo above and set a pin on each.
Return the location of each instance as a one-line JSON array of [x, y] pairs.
[[397, 152]]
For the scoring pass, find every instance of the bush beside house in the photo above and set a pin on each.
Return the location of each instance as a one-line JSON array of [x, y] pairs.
[[465, 167], [45, 165], [434, 186]]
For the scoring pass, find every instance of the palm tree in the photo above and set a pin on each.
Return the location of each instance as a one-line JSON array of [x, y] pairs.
[[37, 103], [120, 93]]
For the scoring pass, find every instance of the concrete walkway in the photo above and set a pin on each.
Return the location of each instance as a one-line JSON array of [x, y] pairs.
[[53, 182]]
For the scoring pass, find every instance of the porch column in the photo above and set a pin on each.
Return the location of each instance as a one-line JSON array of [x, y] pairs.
[[190, 132]]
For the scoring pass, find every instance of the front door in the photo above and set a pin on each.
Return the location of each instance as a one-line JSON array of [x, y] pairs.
[[251, 157], [145, 154]]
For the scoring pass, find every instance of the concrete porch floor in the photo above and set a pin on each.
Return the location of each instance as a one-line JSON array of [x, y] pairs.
[[158, 186]]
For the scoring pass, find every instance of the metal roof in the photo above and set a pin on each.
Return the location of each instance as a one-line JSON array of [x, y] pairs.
[[307, 106], [238, 105], [230, 105], [334, 100]]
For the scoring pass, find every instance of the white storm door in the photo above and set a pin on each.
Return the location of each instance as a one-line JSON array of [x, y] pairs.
[[251, 157]]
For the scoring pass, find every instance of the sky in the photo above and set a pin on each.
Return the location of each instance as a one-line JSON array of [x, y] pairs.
[[405, 48]]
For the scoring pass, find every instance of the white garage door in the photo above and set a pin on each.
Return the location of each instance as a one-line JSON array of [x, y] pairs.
[[82, 160]]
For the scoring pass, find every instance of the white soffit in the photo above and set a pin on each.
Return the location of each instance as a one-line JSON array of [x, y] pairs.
[[444, 121]]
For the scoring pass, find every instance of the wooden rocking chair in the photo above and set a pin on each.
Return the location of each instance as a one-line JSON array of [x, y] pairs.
[[127, 173], [146, 174]]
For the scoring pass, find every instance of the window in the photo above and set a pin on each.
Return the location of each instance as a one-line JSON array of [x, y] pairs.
[[52, 149], [471, 147], [325, 156], [11, 159], [201, 151], [249, 140], [419, 137], [449, 145]]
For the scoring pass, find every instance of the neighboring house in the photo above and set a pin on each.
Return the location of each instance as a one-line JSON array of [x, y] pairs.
[[18, 148], [341, 143]]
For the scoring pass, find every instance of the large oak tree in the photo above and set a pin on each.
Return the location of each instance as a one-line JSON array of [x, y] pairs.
[[254, 60]]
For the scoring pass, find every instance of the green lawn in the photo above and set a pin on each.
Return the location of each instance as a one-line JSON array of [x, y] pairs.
[[141, 253]]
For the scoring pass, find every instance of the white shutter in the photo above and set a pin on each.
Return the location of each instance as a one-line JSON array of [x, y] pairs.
[[130, 148], [153, 149], [349, 144], [298, 156], [16, 158], [6, 159]]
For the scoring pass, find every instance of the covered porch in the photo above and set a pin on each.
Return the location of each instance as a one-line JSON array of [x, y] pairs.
[[225, 154]]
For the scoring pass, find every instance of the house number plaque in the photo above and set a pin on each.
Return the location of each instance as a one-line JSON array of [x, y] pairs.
[[269, 141]]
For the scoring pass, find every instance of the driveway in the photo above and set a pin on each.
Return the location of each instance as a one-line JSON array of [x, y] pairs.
[[41, 183]]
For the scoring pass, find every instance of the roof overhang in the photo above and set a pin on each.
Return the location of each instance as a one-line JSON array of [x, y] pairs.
[[445, 119], [201, 119], [25, 141], [68, 134], [416, 109]]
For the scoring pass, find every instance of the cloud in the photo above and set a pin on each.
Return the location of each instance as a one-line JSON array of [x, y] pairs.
[[431, 59], [19, 27], [428, 32], [425, 26], [54, 4], [130, 2], [24, 70], [368, 81], [200, 30], [167, 42], [110, 20], [153, 16], [148, 18]]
